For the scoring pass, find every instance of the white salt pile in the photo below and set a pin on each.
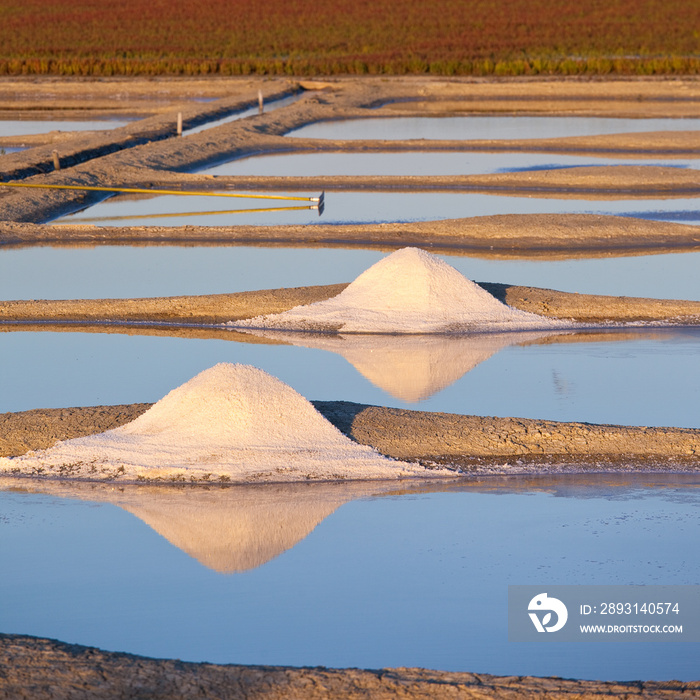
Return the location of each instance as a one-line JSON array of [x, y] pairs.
[[229, 423], [409, 291]]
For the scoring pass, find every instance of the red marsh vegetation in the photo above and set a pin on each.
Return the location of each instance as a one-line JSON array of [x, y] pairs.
[[328, 37]]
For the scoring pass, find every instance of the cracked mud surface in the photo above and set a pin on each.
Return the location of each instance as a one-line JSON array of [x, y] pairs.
[[44, 669]]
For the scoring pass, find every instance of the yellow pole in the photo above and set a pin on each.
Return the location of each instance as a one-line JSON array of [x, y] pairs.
[[169, 215], [135, 190]]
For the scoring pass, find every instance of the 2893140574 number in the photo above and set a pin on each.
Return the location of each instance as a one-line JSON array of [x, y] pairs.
[[639, 608]]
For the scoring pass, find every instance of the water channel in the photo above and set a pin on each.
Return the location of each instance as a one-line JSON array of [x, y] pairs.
[[486, 127], [28, 127]]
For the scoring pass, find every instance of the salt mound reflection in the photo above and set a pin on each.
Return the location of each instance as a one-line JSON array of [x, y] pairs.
[[226, 529], [239, 528], [410, 367], [409, 291]]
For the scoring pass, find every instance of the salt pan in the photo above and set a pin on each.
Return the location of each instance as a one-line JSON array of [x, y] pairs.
[[409, 291], [229, 423]]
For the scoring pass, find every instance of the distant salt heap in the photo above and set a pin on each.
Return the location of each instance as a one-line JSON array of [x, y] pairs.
[[409, 291], [229, 423]]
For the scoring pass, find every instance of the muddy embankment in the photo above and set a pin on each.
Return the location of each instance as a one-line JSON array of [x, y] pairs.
[[44, 669], [215, 309], [470, 444]]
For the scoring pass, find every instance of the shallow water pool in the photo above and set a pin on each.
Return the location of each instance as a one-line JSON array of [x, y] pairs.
[[250, 112], [487, 127], [630, 378], [126, 271], [26, 127], [361, 207], [21, 127], [421, 163], [412, 579]]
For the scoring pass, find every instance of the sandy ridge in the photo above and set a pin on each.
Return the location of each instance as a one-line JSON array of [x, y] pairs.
[[45, 669], [220, 308], [589, 182], [471, 443], [205, 309], [652, 144], [522, 235], [464, 440]]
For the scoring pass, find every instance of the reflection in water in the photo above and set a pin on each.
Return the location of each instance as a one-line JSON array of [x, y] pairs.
[[410, 367], [236, 529], [383, 582], [690, 216], [228, 529], [115, 364], [680, 488], [128, 217], [347, 207], [239, 528]]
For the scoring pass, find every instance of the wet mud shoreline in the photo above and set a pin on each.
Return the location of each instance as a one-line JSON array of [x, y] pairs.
[[46, 666], [501, 236]]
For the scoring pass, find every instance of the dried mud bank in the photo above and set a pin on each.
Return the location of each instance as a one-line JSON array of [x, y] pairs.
[[470, 444], [147, 153], [45, 669], [213, 309], [590, 182], [504, 236]]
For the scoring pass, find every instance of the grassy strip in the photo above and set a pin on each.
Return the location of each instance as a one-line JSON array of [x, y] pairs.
[[324, 37], [667, 65]]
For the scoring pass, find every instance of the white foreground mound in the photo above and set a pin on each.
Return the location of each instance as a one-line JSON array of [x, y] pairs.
[[409, 291], [229, 423]]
